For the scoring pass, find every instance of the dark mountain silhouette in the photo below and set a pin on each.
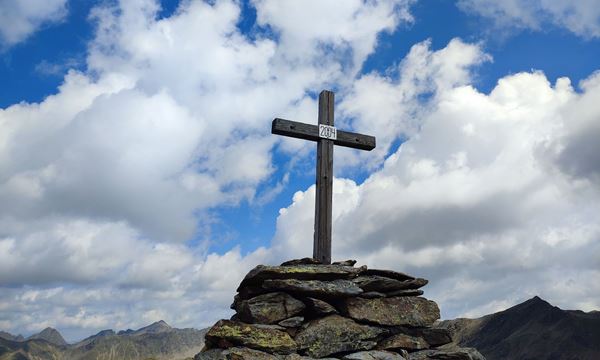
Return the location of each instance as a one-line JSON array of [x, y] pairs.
[[155, 341], [531, 330]]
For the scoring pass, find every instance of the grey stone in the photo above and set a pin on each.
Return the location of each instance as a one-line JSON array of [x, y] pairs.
[[292, 322], [300, 357], [335, 334], [315, 288], [319, 307], [450, 353], [432, 335], [436, 336], [378, 283], [227, 333], [248, 292], [268, 308], [385, 284], [393, 311], [269, 327], [234, 353], [407, 292], [415, 283], [212, 354], [303, 261], [403, 341], [374, 355], [299, 272], [372, 295], [389, 274], [345, 263]]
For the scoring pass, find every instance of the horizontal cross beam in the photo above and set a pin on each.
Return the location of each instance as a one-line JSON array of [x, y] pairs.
[[311, 132]]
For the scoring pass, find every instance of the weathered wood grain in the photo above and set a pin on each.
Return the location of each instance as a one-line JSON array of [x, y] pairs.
[[324, 195], [311, 132], [324, 178]]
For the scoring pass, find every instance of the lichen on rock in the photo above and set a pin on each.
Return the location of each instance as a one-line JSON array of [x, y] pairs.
[[303, 310], [270, 339]]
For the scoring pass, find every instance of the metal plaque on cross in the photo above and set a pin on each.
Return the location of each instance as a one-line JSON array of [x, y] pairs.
[[326, 135]]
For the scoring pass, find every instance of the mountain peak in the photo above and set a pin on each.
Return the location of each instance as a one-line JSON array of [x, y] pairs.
[[535, 302], [50, 335], [537, 299], [529, 329], [154, 328], [160, 324]]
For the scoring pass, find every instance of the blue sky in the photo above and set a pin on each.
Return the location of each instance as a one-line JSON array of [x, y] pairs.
[[136, 159]]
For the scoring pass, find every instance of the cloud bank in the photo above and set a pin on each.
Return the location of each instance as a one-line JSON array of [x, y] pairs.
[[103, 184], [20, 19], [580, 17], [491, 196]]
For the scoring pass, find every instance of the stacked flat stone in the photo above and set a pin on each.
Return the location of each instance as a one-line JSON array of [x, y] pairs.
[[305, 310]]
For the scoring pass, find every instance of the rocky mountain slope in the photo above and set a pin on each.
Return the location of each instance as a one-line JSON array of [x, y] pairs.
[[156, 341], [9, 336], [50, 335], [531, 330]]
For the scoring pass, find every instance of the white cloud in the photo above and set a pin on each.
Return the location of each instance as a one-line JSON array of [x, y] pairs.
[[21, 18], [345, 31], [492, 196], [577, 151], [388, 105], [102, 183], [580, 17]]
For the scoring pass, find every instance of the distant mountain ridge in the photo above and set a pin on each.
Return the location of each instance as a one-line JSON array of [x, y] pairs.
[[9, 336], [531, 330], [155, 341], [50, 335]]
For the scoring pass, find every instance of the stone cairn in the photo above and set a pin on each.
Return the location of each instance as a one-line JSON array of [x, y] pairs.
[[305, 310]]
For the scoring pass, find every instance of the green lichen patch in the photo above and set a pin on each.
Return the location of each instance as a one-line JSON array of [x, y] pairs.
[[336, 334], [263, 338]]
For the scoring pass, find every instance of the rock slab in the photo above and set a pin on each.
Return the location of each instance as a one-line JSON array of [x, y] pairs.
[[227, 333], [393, 311], [300, 272], [268, 308], [335, 334], [328, 289], [303, 310]]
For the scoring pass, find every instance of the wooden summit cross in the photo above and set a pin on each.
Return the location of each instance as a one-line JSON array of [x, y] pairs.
[[326, 135]]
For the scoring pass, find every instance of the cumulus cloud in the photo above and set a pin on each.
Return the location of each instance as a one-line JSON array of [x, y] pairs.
[[391, 106], [577, 151], [480, 199], [20, 19], [579, 17], [356, 23], [104, 184], [493, 197]]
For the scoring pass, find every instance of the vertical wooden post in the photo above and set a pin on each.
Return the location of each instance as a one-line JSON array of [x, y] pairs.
[[324, 191]]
